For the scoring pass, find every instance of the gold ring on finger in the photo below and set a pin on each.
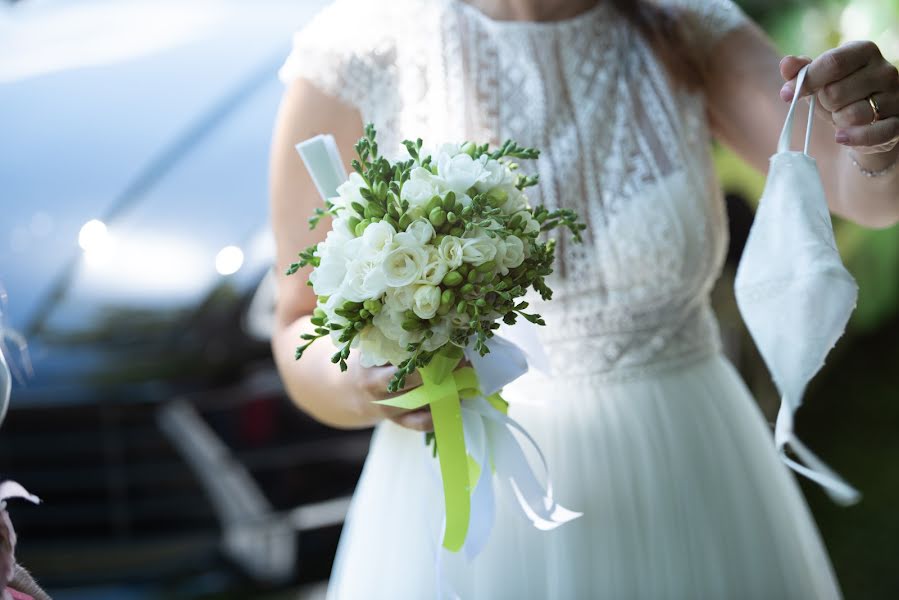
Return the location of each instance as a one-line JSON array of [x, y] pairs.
[[875, 108]]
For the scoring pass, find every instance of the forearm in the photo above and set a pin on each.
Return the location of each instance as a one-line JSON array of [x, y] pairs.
[[315, 384], [872, 201]]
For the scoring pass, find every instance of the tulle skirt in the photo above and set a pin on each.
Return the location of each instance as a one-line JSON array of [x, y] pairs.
[[682, 492]]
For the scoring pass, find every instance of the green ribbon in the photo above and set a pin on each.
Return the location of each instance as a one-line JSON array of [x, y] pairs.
[[442, 388]]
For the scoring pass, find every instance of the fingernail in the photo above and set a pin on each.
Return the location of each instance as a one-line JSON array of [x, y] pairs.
[[842, 137], [786, 93]]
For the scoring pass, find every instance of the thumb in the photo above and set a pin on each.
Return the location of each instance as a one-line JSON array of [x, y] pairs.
[[789, 69]]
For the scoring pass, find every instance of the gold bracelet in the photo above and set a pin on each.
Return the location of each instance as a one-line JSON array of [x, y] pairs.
[[869, 172]]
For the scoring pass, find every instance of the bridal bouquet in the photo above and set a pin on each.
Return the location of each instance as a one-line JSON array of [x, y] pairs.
[[424, 259]]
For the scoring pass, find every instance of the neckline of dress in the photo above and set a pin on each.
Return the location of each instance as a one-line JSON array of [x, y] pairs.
[[560, 24]]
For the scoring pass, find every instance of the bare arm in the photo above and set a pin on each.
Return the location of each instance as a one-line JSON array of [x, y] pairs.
[[747, 112], [315, 384]]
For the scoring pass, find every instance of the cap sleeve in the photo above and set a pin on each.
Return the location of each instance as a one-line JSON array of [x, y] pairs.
[[346, 51], [710, 20]]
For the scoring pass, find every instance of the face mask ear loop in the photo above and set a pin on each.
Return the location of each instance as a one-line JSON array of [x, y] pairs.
[[813, 101], [784, 144]]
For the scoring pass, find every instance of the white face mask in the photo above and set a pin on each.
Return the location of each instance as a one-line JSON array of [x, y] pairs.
[[793, 291]]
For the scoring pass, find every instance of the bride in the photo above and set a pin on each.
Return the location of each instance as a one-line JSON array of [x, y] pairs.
[[651, 432]]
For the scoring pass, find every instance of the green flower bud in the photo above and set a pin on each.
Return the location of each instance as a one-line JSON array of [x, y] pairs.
[[364, 314], [480, 302], [360, 228], [412, 324], [497, 197], [487, 267], [452, 279], [449, 201], [451, 217], [469, 148], [393, 222], [381, 190], [372, 306], [435, 202], [319, 313], [352, 222], [444, 309], [467, 289], [457, 231], [358, 208], [393, 211], [463, 269], [437, 217], [359, 325], [447, 297], [462, 307], [373, 210], [473, 275], [405, 221]]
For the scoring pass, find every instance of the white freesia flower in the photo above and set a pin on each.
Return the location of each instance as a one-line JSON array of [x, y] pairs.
[[478, 250], [426, 301], [531, 224], [442, 329], [495, 175], [500, 257], [435, 269], [403, 265], [378, 238], [450, 251], [365, 279], [333, 254], [516, 201], [421, 187], [400, 298], [348, 192], [390, 322], [459, 172], [378, 350], [334, 302], [515, 253], [421, 230]]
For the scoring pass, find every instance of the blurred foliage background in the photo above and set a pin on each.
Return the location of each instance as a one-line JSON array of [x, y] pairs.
[[851, 414]]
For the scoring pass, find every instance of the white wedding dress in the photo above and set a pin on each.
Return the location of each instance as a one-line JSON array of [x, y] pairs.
[[648, 429]]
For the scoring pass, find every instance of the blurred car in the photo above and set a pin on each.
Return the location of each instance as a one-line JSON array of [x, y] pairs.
[[136, 254]]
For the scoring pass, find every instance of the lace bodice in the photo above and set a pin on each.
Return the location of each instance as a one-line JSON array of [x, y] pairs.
[[620, 144]]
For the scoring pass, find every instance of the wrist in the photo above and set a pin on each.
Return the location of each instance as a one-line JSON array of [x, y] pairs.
[[876, 164]]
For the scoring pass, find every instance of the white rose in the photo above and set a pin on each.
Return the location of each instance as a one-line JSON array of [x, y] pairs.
[[450, 251], [442, 331], [378, 350], [426, 301], [459, 172], [333, 255], [365, 279], [514, 255], [478, 250], [348, 192], [421, 230], [400, 298], [403, 265], [421, 187], [435, 269], [378, 238]]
